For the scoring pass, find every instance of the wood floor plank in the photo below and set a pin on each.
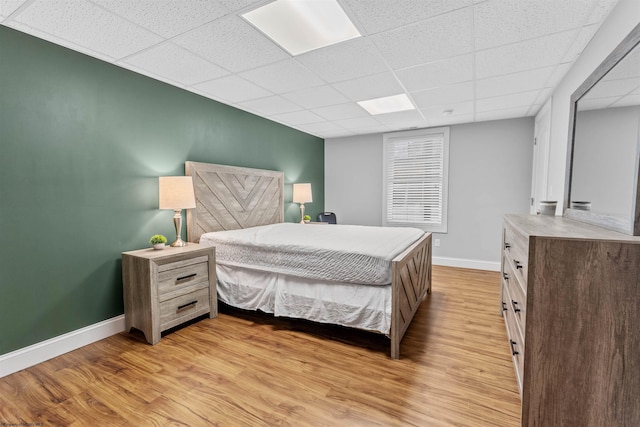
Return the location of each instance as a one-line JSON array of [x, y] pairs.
[[251, 369]]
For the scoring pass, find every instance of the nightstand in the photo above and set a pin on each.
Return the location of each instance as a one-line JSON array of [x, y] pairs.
[[165, 288]]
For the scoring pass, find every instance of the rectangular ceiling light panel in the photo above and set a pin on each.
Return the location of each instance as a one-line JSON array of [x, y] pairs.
[[388, 104], [300, 26]]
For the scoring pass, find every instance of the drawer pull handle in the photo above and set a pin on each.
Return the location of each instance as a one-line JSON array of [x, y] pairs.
[[185, 278], [504, 306], [505, 276], [507, 245], [517, 263], [515, 306], [187, 305], [514, 352]]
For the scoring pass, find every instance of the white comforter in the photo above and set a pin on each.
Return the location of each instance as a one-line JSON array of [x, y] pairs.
[[342, 253]]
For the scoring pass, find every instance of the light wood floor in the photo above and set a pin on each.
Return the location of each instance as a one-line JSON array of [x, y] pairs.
[[243, 369]]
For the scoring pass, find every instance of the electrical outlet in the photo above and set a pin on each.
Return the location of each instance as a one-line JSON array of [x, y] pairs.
[[436, 243]]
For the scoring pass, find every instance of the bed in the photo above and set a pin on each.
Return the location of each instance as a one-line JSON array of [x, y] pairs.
[[259, 257]]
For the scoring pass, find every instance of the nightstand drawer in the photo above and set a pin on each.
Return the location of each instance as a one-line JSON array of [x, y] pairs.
[[185, 307], [177, 275]]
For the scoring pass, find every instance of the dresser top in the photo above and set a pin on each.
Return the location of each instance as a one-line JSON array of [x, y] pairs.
[[557, 226]]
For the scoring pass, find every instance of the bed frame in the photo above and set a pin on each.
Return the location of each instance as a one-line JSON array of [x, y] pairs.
[[230, 197]]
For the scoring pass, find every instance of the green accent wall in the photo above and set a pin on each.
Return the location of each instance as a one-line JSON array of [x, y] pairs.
[[82, 143]]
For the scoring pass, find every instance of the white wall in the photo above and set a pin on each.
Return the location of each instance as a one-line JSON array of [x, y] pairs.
[[489, 175], [622, 19], [353, 179]]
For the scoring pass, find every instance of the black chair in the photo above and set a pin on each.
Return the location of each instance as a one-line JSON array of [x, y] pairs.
[[329, 217]]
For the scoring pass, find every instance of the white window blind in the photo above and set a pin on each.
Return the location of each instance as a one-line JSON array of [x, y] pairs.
[[415, 179]]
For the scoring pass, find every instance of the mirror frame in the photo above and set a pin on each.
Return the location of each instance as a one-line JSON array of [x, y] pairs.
[[629, 226]]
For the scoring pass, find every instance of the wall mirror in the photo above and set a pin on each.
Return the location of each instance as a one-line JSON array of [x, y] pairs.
[[604, 150]]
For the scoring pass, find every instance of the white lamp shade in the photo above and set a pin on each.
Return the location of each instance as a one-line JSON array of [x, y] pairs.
[[302, 193], [176, 192]]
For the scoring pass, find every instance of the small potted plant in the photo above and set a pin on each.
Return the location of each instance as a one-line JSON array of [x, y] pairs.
[[306, 219], [158, 241]]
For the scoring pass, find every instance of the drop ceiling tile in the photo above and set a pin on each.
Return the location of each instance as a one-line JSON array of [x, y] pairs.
[[521, 56], [57, 40], [600, 11], [270, 106], [509, 113], [7, 7], [371, 129], [632, 100], [321, 127], [438, 73], [513, 83], [445, 95], [498, 22], [584, 36], [344, 61], [437, 38], [233, 89], [453, 120], [175, 63], [167, 18], [370, 87], [381, 15], [231, 43], [236, 5], [284, 76], [402, 119], [435, 114], [316, 97], [84, 24], [358, 123], [558, 74], [337, 134], [298, 118], [516, 100], [342, 111], [596, 103]]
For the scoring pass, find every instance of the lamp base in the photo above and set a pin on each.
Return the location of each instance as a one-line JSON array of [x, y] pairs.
[[178, 243], [301, 213], [177, 222]]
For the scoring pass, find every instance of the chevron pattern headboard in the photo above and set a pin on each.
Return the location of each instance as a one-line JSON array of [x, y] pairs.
[[231, 197]]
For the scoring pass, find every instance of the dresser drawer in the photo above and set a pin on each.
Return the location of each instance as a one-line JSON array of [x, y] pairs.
[[184, 307], [517, 296], [514, 240], [516, 341], [516, 253], [181, 274]]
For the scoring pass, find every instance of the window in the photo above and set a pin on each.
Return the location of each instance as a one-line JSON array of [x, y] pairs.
[[416, 168]]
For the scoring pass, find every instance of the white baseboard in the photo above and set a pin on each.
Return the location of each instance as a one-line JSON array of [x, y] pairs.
[[45, 350], [466, 263]]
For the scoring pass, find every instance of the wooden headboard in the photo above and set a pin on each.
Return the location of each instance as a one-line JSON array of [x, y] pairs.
[[231, 197]]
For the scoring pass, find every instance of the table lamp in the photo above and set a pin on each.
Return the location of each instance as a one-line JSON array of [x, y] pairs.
[[302, 195], [176, 192]]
